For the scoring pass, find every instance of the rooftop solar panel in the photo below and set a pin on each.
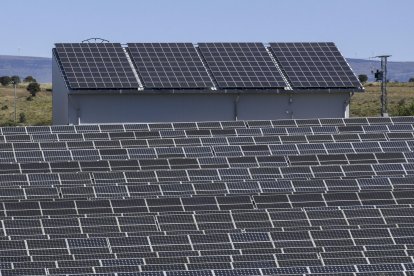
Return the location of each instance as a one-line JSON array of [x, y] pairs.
[[241, 65], [96, 66], [314, 65], [169, 65]]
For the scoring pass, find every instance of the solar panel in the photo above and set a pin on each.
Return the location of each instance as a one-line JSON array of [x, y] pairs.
[[314, 65], [241, 65], [169, 65], [96, 66]]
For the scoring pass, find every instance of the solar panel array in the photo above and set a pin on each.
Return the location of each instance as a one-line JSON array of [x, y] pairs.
[[205, 66], [285, 197]]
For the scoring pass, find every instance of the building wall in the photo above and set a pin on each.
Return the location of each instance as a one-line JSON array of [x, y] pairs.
[[128, 108], [293, 106], [59, 96]]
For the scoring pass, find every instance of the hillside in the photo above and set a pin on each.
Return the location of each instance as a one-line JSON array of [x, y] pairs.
[[39, 68], [397, 71]]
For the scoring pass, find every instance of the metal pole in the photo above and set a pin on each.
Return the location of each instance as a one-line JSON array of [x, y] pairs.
[[384, 82], [15, 100]]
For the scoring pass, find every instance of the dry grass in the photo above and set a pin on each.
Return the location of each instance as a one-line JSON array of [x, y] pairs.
[[368, 103], [38, 111]]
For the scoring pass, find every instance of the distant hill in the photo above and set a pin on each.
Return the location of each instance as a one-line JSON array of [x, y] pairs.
[[41, 68], [397, 71]]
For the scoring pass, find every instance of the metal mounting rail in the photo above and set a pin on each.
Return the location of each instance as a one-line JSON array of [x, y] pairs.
[[210, 75], [289, 86], [131, 63]]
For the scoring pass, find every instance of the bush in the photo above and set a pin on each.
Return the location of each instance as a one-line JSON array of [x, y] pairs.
[[9, 123], [411, 80], [5, 80], [22, 118], [33, 88], [403, 109], [29, 79], [30, 98], [15, 79], [363, 78], [4, 107]]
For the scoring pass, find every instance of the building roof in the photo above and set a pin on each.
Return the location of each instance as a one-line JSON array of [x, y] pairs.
[[285, 197], [206, 67]]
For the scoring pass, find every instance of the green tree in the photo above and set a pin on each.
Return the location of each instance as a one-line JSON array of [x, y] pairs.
[[29, 79], [363, 78], [5, 80], [411, 80], [15, 79], [33, 88]]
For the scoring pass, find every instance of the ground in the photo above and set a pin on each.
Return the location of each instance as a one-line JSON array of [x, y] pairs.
[[38, 111], [368, 103]]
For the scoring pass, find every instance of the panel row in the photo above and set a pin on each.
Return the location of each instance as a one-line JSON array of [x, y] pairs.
[[218, 269], [318, 223], [201, 136], [347, 152], [390, 122], [117, 160], [205, 203]]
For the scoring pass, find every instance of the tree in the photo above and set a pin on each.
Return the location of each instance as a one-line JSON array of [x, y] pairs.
[[29, 79], [33, 88], [411, 80], [15, 79], [363, 78], [5, 80]]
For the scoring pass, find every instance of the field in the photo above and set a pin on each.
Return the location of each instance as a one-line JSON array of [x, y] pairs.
[[38, 111], [368, 103]]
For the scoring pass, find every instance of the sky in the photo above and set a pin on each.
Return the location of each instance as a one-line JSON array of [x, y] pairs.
[[360, 28]]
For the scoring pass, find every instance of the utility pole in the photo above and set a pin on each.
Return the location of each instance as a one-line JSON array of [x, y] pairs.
[[15, 100], [382, 76]]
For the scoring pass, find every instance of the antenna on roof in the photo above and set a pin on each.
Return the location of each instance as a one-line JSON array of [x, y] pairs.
[[95, 40]]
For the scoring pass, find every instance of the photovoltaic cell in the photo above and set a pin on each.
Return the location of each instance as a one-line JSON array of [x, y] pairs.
[[314, 65], [169, 65], [241, 65], [96, 66]]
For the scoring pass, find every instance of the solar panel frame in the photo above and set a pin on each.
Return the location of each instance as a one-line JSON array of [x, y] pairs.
[[169, 65], [241, 65], [95, 66], [314, 65]]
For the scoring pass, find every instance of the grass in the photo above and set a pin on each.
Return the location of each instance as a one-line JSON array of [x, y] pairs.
[[368, 103], [39, 110]]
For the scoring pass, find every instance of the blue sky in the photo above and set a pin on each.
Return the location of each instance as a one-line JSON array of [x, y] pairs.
[[360, 28]]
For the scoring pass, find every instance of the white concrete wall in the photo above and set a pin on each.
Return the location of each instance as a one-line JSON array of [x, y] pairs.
[[59, 96], [293, 106], [118, 108], [112, 108]]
